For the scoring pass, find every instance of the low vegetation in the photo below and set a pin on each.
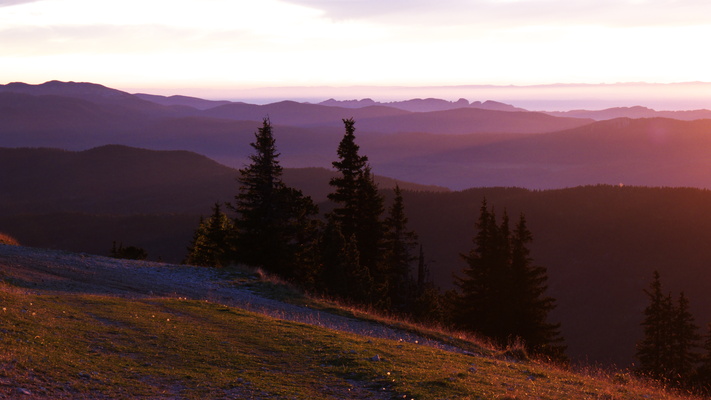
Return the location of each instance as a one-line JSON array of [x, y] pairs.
[[61, 345], [7, 239]]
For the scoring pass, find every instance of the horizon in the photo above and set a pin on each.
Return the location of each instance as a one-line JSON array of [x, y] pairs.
[[682, 96], [231, 49], [549, 97]]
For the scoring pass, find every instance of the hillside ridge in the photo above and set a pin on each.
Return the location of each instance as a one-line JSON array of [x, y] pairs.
[[44, 270], [163, 331]]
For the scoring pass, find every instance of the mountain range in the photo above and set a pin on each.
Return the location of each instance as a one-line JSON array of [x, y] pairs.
[[453, 144]]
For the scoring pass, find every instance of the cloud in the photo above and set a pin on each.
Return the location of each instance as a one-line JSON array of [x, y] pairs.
[[356, 9], [506, 13], [116, 39], [5, 3]]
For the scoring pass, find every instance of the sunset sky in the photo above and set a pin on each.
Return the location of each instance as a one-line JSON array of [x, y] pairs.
[[218, 45]]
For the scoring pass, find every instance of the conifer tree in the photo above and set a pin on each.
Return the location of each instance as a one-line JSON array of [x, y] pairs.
[[479, 301], [269, 214], [359, 281], [654, 351], [684, 343], [332, 273], [210, 244], [703, 374], [502, 294], [343, 275], [422, 270], [530, 303], [350, 166], [399, 244], [369, 229], [667, 351], [305, 231], [425, 304], [358, 209]]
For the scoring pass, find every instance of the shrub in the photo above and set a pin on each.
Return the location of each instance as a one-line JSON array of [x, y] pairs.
[[7, 239]]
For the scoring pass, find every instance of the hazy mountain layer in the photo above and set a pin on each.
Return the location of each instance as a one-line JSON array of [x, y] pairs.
[[459, 148], [633, 112]]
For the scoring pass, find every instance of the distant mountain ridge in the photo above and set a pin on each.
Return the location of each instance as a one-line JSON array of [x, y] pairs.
[[633, 112], [102, 94], [82, 90], [135, 180], [91, 92], [460, 147], [423, 105], [194, 102]]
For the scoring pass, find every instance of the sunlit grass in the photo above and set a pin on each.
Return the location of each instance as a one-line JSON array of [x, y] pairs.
[[7, 239], [82, 346]]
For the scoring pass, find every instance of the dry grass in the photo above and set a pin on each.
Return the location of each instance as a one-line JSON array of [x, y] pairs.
[[77, 346], [9, 240], [278, 289], [89, 346], [586, 383]]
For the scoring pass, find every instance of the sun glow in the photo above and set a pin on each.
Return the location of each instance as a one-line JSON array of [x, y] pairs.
[[219, 43]]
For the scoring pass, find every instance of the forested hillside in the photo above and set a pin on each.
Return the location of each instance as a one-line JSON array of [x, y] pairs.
[[599, 243]]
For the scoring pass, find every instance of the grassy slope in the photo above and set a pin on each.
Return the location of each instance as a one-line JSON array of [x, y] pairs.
[[88, 346]]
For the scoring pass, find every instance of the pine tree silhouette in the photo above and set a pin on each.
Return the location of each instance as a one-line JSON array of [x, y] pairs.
[[502, 293], [357, 214], [270, 215]]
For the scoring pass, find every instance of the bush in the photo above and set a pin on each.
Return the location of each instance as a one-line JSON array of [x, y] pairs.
[[7, 239], [128, 253]]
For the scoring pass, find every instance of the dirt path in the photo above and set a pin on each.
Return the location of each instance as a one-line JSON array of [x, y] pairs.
[[52, 271]]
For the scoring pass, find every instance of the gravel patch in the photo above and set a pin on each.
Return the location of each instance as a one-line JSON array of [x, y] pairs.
[[48, 271]]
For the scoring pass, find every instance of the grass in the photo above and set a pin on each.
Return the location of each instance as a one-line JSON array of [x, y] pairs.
[[87, 346], [7, 239], [275, 288]]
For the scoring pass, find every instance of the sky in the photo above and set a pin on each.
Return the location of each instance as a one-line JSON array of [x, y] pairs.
[[214, 47]]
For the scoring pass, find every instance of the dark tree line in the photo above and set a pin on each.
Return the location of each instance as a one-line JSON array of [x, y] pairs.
[[356, 252], [364, 252], [502, 293], [671, 350]]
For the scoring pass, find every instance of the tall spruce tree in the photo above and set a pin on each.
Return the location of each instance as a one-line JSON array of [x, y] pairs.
[[399, 244], [684, 343], [369, 229], [654, 350], [477, 289], [270, 215], [502, 294], [358, 209], [531, 305], [346, 195], [668, 351]]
